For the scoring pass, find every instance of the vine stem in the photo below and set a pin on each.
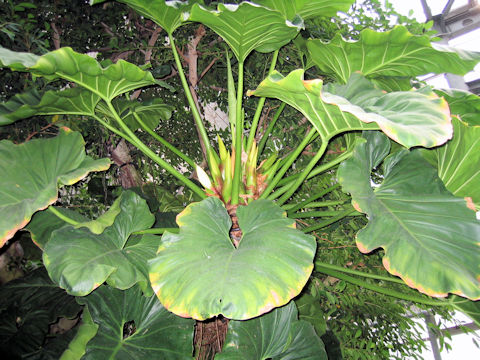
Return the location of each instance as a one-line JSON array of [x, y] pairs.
[[238, 137], [132, 138], [258, 112], [377, 288], [62, 216], [164, 142]]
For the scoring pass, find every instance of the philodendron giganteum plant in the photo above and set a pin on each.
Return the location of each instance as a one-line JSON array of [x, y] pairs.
[[237, 254]]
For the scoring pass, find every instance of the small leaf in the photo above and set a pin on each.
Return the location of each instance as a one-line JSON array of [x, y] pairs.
[[150, 112], [310, 310]]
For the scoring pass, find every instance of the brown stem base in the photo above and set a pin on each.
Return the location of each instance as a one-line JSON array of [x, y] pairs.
[[209, 337]]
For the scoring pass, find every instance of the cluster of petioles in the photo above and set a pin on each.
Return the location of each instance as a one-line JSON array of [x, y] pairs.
[[253, 179]]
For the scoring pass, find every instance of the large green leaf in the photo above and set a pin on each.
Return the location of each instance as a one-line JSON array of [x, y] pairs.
[[82, 69], [457, 161], [76, 101], [247, 27], [27, 308], [334, 108], [390, 53], [199, 273], [463, 103], [80, 261], [276, 335], [168, 14], [430, 237], [32, 173], [158, 334], [307, 8]]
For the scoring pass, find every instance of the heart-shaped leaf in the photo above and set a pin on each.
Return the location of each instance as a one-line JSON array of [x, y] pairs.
[[83, 70], [80, 261], [76, 101], [32, 173], [457, 161], [390, 53], [276, 335], [307, 8], [247, 27], [334, 108], [430, 237], [199, 273], [154, 333]]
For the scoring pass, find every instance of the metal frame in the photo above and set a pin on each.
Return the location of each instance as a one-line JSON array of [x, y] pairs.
[[454, 23]]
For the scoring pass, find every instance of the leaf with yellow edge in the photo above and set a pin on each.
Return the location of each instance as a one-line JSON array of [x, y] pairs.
[[430, 237], [199, 273], [33, 171]]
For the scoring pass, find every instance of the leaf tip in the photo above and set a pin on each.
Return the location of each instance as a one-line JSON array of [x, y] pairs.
[[310, 84], [9, 233], [470, 203], [356, 206]]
